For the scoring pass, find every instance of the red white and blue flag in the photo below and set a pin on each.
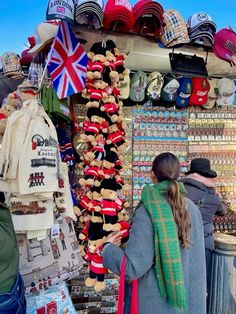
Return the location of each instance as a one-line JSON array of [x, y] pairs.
[[67, 62]]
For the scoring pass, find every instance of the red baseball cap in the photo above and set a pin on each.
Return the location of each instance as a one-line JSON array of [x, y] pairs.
[[118, 14], [26, 57], [225, 45], [200, 90], [148, 17]]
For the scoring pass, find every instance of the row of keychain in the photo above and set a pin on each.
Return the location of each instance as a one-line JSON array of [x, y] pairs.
[[212, 115], [154, 115], [211, 149]]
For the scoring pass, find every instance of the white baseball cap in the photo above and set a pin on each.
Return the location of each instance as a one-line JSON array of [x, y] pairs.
[[226, 92], [65, 10]]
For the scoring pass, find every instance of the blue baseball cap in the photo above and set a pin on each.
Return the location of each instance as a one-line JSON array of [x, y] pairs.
[[184, 92]]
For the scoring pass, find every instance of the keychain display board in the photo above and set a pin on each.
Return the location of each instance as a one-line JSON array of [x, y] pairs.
[[212, 135], [155, 131], [88, 301]]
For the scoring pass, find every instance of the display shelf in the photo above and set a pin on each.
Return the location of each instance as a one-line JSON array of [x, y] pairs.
[[212, 135]]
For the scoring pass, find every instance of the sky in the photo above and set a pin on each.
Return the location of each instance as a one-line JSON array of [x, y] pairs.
[[20, 18]]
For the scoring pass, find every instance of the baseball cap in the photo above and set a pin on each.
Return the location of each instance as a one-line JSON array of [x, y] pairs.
[[200, 90], [155, 82], [184, 92], [201, 29], [10, 64], [124, 86], [45, 33], [89, 12], [64, 10], [138, 84], [226, 92], [234, 96], [225, 45], [118, 15], [148, 16], [212, 94], [201, 21], [174, 29], [26, 58], [170, 88]]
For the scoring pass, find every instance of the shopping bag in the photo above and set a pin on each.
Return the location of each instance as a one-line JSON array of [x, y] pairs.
[[39, 164], [121, 293]]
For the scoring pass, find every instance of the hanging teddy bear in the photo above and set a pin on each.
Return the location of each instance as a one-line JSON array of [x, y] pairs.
[[111, 108], [96, 239], [95, 123], [96, 67], [110, 204], [116, 136], [9, 105]]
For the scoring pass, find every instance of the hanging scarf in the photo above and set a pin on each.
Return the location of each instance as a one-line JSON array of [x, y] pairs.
[[168, 261]]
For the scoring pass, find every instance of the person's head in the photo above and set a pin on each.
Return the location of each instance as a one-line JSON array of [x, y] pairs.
[[202, 166], [166, 167]]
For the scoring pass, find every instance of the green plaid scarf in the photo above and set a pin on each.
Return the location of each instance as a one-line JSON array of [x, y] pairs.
[[168, 261]]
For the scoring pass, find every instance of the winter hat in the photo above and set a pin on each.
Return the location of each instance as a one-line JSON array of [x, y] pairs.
[[184, 92], [138, 84], [200, 90], [155, 82]]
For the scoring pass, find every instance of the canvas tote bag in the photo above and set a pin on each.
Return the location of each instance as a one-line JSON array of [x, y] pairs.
[[39, 164]]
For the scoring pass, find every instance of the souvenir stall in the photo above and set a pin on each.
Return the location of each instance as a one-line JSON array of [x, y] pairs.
[[108, 88]]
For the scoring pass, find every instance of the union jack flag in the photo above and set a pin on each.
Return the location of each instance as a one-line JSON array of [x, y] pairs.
[[67, 62]]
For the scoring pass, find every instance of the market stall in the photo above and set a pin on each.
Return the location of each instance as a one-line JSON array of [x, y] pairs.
[[112, 101]]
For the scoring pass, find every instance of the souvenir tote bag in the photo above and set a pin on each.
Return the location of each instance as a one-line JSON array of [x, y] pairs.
[[121, 293], [39, 164]]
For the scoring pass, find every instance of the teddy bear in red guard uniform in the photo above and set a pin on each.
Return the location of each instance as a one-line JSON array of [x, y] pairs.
[[93, 255], [104, 135]]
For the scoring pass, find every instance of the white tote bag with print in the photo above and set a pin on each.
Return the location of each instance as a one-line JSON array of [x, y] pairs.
[[39, 167]]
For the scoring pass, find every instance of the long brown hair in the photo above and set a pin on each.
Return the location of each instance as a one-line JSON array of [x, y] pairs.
[[166, 166]]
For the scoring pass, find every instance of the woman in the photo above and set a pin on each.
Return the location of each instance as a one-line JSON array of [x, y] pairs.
[[200, 188], [12, 290], [165, 250]]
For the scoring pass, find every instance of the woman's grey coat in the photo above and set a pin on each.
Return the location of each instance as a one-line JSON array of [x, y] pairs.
[[140, 256]]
